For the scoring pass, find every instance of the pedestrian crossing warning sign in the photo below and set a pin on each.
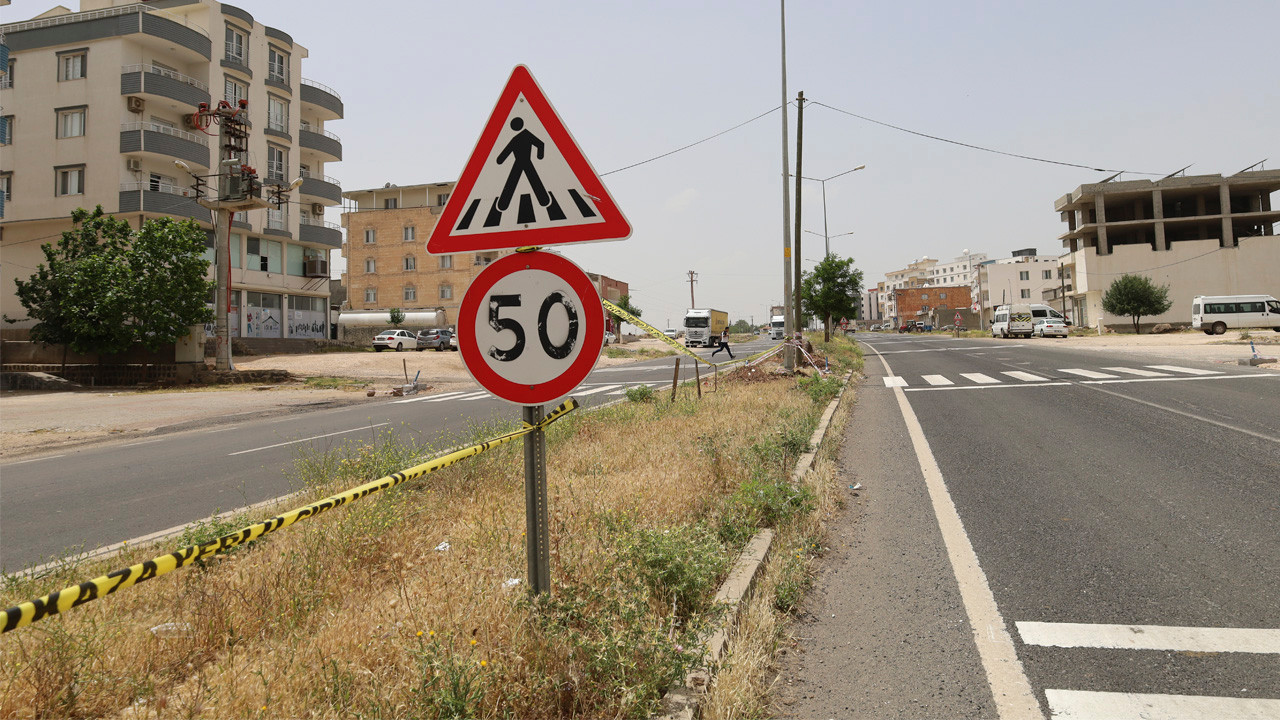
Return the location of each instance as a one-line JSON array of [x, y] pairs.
[[526, 184]]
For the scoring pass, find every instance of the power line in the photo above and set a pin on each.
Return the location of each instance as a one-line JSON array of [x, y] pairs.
[[979, 147], [686, 147]]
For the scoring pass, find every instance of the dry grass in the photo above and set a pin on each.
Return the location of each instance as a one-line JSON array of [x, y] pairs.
[[358, 614]]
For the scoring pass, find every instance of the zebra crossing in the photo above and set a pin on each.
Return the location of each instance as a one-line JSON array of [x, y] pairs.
[[1059, 376], [582, 391]]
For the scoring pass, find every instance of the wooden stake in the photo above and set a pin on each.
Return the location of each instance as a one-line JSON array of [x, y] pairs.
[[697, 375], [675, 378]]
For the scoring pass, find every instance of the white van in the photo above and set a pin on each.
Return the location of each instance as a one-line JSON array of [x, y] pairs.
[[1044, 311], [1013, 320], [1215, 313]]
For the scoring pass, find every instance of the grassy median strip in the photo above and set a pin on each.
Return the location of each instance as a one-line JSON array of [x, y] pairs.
[[411, 603]]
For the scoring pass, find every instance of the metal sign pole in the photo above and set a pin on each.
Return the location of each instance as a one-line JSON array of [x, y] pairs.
[[537, 537]]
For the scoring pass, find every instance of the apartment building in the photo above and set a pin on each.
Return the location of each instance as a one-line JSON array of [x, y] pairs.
[[1199, 235], [959, 270], [96, 105], [386, 252], [1022, 278], [916, 274]]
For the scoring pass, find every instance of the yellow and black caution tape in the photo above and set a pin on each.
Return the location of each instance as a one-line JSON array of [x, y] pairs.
[[679, 347], [63, 600]]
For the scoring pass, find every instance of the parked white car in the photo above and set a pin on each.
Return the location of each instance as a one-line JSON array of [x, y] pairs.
[[1050, 327], [395, 340]]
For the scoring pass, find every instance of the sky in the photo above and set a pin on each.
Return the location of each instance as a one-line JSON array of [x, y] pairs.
[[1145, 86]]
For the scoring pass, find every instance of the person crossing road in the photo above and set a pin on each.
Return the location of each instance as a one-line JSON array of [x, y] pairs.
[[724, 344]]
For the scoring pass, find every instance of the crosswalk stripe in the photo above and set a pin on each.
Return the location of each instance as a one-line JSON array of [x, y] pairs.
[[1189, 371], [1150, 637], [468, 396], [593, 391], [1087, 373], [1087, 705], [1023, 376], [443, 396], [980, 378], [894, 381], [937, 380], [1137, 371]]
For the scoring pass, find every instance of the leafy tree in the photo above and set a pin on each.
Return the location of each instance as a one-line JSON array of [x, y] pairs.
[[1136, 296], [624, 303], [741, 326], [397, 317], [834, 288], [103, 287]]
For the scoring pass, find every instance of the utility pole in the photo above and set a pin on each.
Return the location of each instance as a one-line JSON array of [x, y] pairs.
[[788, 353], [796, 261], [693, 278]]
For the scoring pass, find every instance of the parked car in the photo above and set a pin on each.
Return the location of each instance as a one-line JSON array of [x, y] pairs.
[[669, 332], [395, 340], [436, 339], [609, 337], [1046, 327]]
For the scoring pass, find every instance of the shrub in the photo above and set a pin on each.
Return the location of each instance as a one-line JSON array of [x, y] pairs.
[[640, 393]]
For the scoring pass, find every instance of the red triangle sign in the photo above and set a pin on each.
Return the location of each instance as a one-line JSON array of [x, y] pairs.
[[526, 184]]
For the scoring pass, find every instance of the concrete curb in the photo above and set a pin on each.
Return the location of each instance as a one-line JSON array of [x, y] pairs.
[[681, 701]]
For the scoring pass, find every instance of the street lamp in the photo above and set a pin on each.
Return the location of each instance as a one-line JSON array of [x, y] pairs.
[[824, 202]]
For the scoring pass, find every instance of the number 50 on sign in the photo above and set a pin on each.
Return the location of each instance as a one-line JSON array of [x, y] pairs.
[[531, 327]]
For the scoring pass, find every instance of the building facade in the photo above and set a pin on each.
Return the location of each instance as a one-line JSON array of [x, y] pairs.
[[916, 274], [1199, 235], [97, 104], [933, 305], [1022, 278], [386, 251]]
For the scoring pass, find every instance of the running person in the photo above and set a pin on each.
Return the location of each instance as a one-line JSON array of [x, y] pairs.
[[724, 344]]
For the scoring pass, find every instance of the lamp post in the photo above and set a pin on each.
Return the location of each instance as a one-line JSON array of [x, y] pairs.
[[824, 202]]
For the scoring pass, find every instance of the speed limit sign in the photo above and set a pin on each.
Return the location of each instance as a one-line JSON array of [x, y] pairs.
[[531, 327]]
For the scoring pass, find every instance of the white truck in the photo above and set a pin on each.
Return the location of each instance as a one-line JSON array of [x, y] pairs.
[[777, 327], [702, 326]]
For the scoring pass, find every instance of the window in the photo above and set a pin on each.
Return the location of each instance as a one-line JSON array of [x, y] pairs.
[[235, 91], [1024, 275], [410, 263], [277, 65], [71, 181], [6, 186], [263, 255], [410, 293], [371, 295], [409, 233], [924, 296], [390, 203], [277, 114], [71, 122], [370, 236], [277, 163], [236, 45], [1047, 275], [7, 81], [295, 264], [942, 296], [162, 183], [241, 216], [6, 130], [446, 292], [235, 250], [444, 198], [1024, 294], [278, 218], [370, 265], [72, 65], [446, 262]]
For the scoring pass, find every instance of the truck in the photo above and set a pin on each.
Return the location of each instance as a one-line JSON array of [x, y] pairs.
[[777, 323], [702, 326]]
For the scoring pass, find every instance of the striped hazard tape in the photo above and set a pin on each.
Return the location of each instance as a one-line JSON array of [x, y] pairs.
[[678, 347], [76, 595]]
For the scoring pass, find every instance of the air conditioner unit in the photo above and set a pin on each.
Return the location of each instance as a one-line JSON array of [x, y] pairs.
[[136, 104], [317, 209], [134, 164], [315, 267], [191, 121]]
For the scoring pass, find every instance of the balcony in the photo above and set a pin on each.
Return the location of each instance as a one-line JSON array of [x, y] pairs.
[[323, 99], [154, 139], [328, 145], [155, 28], [314, 230], [324, 190], [150, 81], [161, 198]]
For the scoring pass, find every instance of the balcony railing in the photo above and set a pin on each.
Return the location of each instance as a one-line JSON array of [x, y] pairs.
[[278, 72], [164, 130], [163, 187], [319, 131], [98, 14], [321, 86], [317, 222], [173, 75], [236, 53], [325, 178]]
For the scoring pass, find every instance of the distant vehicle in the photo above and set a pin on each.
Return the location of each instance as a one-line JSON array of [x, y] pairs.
[[609, 337], [702, 326], [1044, 311], [436, 339], [395, 339], [1215, 313], [1047, 327], [1012, 320], [670, 332], [911, 326], [777, 327]]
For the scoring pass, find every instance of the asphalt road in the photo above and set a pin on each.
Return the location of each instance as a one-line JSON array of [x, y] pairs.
[[100, 495], [1124, 513]]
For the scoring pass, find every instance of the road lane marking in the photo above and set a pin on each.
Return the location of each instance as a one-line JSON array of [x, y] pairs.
[[895, 381], [1187, 370], [986, 387], [302, 440], [947, 349], [1093, 385], [1093, 374], [441, 396], [980, 378], [937, 380], [466, 396], [1150, 637], [1082, 705], [1137, 371], [1010, 689], [1023, 376], [593, 391], [1179, 379], [47, 457]]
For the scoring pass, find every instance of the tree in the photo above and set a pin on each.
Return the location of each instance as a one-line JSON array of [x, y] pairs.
[[741, 326], [834, 288], [1136, 296], [397, 317], [624, 303], [104, 287]]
